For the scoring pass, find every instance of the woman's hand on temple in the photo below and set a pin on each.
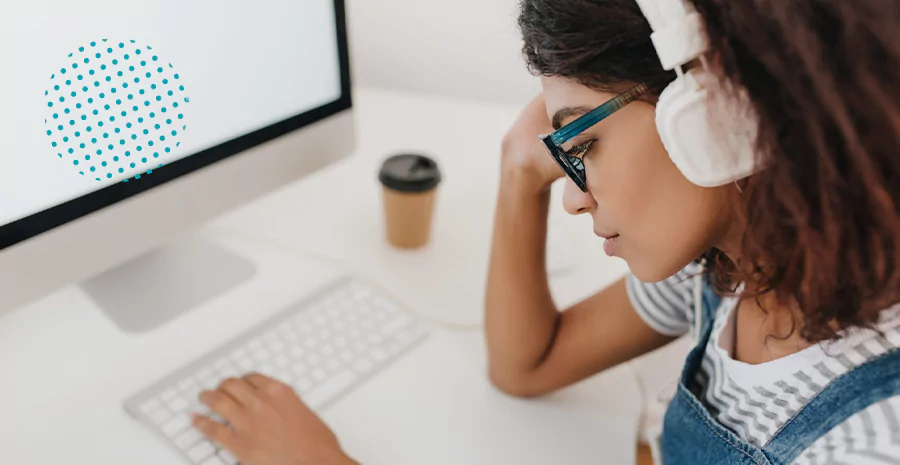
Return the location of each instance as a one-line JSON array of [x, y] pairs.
[[524, 155], [268, 425]]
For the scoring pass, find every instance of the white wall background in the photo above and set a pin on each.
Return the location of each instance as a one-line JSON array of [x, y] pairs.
[[460, 48]]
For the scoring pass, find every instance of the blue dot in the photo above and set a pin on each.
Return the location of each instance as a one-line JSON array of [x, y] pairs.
[[109, 50], [174, 133], [108, 79], [146, 131], [99, 123], [90, 100], [159, 70], [63, 71], [126, 56], [165, 81], [124, 113], [96, 112], [108, 175], [83, 117], [62, 99], [138, 51], [148, 75], [110, 146], [54, 144], [115, 62], [113, 90], [93, 169], [150, 143], [168, 150], [121, 45], [93, 140], [128, 125], [56, 87], [106, 135], [112, 118], [168, 121], [163, 109], [89, 129], [73, 94], [134, 108], [99, 152], [74, 162], [93, 44], [170, 93], [91, 72], [152, 115], [87, 157], [71, 122], [141, 92], [144, 160], [162, 138], [176, 76], [80, 77], [140, 120], [119, 73], [153, 86], [49, 104], [56, 116], [118, 130], [84, 89], [158, 98], [60, 127], [80, 49], [136, 80], [78, 105], [122, 142], [139, 148], [131, 68], [128, 154], [46, 92], [131, 165], [156, 58], [68, 82], [116, 158], [121, 170], [81, 145], [130, 96], [67, 111], [156, 126], [96, 55], [96, 84], [87, 60], [155, 154], [103, 67], [106, 107], [137, 176], [103, 164], [143, 63], [134, 137], [71, 151]]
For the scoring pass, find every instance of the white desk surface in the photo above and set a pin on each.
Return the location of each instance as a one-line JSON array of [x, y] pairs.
[[65, 368]]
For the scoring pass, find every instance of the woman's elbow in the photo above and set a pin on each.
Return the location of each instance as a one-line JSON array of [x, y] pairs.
[[514, 385]]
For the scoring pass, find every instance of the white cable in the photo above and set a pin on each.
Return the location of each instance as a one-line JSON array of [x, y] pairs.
[[340, 264]]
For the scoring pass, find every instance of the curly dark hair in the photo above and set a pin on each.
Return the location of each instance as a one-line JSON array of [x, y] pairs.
[[821, 225]]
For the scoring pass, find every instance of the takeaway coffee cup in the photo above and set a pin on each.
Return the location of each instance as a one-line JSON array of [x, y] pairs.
[[409, 185]]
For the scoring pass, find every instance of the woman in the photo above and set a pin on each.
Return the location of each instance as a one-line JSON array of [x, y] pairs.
[[796, 318]]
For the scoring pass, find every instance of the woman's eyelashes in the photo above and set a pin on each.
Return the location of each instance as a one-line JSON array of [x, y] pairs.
[[580, 150]]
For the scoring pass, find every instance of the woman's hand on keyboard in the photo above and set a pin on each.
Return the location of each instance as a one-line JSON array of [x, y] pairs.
[[268, 425]]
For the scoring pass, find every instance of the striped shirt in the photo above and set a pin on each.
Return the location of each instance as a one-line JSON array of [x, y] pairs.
[[754, 401]]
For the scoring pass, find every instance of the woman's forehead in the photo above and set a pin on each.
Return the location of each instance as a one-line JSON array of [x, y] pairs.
[[561, 94]]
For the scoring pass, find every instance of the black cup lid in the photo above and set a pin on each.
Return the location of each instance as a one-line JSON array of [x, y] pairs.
[[410, 173]]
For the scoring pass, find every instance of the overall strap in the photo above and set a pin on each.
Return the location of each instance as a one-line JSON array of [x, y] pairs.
[[856, 390]]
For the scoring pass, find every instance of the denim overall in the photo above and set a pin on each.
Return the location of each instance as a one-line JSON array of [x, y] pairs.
[[691, 436]]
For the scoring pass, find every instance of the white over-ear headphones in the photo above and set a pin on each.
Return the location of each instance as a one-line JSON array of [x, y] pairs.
[[707, 154]]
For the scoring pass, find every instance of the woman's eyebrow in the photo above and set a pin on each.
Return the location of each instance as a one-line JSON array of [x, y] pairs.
[[567, 112]]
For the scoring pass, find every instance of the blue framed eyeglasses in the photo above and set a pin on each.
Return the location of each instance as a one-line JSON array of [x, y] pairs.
[[571, 160]]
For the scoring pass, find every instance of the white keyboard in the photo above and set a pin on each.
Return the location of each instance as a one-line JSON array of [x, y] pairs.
[[323, 347]]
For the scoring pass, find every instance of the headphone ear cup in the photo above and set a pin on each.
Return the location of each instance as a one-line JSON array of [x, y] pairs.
[[707, 156]]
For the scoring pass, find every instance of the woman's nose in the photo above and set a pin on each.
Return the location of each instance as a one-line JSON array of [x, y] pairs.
[[575, 201]]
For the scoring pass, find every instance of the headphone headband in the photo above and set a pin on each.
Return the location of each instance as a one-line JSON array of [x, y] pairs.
[[678, 33]]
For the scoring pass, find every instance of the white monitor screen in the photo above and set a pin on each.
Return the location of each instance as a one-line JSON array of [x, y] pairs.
[[98, 92]]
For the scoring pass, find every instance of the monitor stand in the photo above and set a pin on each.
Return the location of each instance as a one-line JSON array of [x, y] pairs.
[[163, 284]]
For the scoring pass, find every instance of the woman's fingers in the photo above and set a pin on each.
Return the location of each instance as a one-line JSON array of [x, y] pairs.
[[216, 432]]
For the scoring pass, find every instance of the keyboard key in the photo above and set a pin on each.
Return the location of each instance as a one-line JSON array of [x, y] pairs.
[[327, 350], [245, 364], [261, 354], [227, 457], [333, 365], [178, 404], [160, 416], [379, 355], [311, 343], [168, 394], [302, 385], [201, 452], [329, 389], [277, 346], [347, 356], [340, 341], [313, 360], [296, 351], [299, 369], [281, 361], [214, 460], [188, 439], [176, 425], [150, 406], [363, 366], [393, 326], [375, 339], [319, 374]]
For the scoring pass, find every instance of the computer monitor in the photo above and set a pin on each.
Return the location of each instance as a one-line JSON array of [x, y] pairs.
[[124, 125]]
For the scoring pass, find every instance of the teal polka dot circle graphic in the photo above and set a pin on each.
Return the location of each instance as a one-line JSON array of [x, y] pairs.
[[115, 109]]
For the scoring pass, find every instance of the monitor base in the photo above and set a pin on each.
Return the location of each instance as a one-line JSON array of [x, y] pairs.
[[161, 285]]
